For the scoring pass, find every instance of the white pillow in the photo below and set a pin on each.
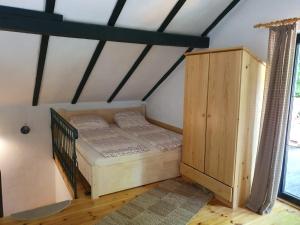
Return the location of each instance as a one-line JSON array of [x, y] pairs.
[[130, 119], [88, 122]]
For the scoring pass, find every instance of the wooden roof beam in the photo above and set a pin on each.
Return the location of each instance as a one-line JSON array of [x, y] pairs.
[[49, 9], [112, 20], [7, 11], [181, 58], [99, 32], [146, 50]]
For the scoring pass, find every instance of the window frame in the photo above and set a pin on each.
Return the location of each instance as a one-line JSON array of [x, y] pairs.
[[281, 193]]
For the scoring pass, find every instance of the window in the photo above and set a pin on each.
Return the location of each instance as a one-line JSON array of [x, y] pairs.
[[290, 178]]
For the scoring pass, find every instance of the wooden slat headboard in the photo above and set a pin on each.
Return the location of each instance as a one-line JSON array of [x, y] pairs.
[[107, 114]]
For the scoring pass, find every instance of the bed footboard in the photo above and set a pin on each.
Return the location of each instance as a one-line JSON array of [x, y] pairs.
[[64, 137]]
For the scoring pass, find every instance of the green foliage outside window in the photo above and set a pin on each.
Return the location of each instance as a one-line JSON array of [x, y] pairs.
[[297, 78], [297, 88]]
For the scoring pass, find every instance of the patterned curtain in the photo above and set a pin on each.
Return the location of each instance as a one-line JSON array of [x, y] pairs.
[[282, 41]]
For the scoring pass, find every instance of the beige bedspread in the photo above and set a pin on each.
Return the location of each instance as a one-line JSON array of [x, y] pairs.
[[114, 141], [111, 142], [160, 138]]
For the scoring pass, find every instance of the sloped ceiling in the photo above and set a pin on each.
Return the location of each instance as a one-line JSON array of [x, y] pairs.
[[67, 58]]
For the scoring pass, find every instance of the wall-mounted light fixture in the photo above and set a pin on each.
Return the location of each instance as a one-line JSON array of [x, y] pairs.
[[25, 129]]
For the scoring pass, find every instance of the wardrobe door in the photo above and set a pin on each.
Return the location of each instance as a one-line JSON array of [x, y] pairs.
[[195, 100], [222, 115]]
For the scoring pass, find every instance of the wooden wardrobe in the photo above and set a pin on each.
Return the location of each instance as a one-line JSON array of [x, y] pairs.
[[222, 115]]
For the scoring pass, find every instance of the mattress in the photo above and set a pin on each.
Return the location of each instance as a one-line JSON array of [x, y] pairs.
[[112, 142], [115, 145], [158, 137]]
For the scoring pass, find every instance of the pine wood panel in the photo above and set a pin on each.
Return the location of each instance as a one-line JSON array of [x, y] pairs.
[[222, 115], [85, 211], [165, 125], [251, 98], [107, 113], [211, 50], [195, 110], [224, 191]]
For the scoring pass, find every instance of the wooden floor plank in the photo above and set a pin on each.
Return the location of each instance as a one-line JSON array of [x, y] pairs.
[[84, 211]]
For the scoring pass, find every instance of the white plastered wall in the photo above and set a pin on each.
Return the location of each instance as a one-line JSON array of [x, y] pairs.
[[236, 29], [29, 176]]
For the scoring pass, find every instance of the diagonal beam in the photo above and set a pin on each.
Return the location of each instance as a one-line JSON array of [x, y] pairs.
[[7, 11], [181, 58], [49, 8], [98, 32], [112, 20], [220, 17], [141, 57], [166, 75]]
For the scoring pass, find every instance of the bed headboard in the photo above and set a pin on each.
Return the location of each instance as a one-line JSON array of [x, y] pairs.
[[107, 114]]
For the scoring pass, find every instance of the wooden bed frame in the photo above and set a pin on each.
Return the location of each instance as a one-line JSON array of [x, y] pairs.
[[106, 179], [107, 114]]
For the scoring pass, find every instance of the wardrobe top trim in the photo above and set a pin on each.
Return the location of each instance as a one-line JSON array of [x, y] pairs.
[[212, 50]]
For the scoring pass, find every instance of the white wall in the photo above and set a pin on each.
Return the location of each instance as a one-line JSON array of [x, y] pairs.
[[235, 29], [166, 104], [29, 176]]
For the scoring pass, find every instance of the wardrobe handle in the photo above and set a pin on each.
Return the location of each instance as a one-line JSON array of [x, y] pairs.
[[203, 115], [208, 116]]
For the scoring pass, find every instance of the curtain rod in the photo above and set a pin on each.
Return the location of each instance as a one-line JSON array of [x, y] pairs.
[[277, 23]]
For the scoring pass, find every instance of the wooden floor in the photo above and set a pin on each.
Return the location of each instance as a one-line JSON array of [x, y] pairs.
[[84, 211]]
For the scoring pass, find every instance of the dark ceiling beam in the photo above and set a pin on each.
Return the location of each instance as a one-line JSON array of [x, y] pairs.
[[112, 20], [99, 32], [7, 11], [220, 17], [49, 8], [181, 58], [166, 75], [141, 57]]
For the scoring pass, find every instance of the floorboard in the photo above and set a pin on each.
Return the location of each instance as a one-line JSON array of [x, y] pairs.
[[84, 211]]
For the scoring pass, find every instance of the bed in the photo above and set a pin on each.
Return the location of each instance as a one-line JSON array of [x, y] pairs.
[[116, 158]]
